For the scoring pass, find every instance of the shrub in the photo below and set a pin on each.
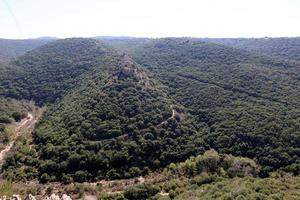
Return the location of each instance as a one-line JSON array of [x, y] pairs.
[[45, 178], [5, 120], [81, 176], [208, 162], [17, 116], [141, 191], [105, 196]]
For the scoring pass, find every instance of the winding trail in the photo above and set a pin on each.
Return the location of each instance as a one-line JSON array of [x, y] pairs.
[[20, 128]]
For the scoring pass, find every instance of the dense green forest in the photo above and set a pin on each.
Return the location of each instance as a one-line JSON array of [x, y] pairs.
[[211, 176], [46, 73], [118, 122], [249, 102], [124, 107]]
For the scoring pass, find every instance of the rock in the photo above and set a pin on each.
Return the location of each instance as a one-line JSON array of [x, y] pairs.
[[16, 197], [30, 197], [65, 197], [54, 197]]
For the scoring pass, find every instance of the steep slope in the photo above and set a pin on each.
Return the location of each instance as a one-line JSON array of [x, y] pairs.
[[48, 72], [11, 49], [250, 102], [117, 122], [285, 48]]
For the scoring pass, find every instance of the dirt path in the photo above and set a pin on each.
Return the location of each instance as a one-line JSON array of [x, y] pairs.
[[21, 127]]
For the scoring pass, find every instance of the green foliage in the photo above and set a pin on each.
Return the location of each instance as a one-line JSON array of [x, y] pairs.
[[108, 117], [214, 163], [116, 123], [140, 192], [246, 188], [249, 102], [22, 164], [105, 196], [12, 110], [46, 73]]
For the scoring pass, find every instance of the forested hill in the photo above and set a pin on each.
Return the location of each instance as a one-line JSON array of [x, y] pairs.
[[11, 49], [46, 73], [117, 115], [235, 69], [249, 101], [115, 121], [286, 48]]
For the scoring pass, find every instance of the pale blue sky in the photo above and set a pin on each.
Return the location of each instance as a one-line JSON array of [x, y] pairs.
[[149, 18]]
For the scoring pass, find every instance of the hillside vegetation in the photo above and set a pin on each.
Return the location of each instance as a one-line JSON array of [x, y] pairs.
[[130, 107], [249, 102], [117, 122], [11, 49], [211, 176], [47, 73], [10, 111]]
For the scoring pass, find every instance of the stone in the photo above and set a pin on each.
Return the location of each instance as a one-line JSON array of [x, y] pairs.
[[54, 197], [16, 197], [66, 197], [30, 197]]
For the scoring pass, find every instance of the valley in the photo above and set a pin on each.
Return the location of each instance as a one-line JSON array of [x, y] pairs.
[[139, 118]]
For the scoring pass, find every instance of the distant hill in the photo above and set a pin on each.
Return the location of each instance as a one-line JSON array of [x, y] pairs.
[[123, 44], [11, 49], [46, 73], [286, 48]]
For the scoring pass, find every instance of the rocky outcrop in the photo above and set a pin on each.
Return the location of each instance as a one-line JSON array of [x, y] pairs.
[[65, 197], [31, 197], [56, 197], [14, 197], [53, 197]]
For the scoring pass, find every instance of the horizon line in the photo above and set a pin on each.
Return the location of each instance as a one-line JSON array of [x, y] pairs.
[[141, 37]]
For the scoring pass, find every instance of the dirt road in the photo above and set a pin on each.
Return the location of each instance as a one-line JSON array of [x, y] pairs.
[[21, 127]]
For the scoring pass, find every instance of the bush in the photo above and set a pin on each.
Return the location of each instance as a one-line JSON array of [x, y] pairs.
[[45, 178], [81, 176], [17, 116], [239, 166], [67, 179], [203, 179], [208, 162], [5, 120], [141, 191], [135, 171], [105, 196]]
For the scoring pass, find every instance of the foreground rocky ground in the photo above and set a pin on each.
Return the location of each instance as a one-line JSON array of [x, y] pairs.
[[31, 197]]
